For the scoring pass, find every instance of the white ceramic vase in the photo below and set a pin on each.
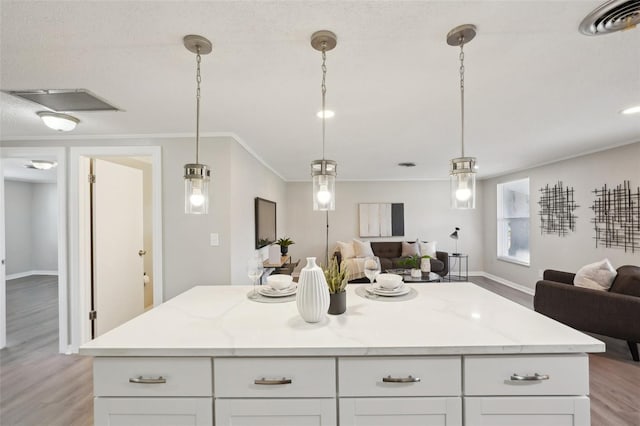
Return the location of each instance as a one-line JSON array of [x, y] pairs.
[[313, 293], [416, 273]]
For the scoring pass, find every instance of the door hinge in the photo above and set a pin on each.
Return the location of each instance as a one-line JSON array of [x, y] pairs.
[[92, 178], [93, 315]]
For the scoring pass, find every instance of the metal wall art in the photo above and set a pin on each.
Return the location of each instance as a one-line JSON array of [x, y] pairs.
[[617, 216], [556, 210]]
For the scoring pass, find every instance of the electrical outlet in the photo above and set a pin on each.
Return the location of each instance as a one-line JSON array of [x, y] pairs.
[[214, 239], [540, 273]]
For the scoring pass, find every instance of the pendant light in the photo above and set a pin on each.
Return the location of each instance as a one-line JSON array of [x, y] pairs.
[[196, 175], [463, 169], [323, 171]]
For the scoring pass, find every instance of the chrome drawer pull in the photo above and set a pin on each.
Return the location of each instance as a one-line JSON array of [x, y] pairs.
[[148, 381], [409, 379], [535, 377], [264, 381]]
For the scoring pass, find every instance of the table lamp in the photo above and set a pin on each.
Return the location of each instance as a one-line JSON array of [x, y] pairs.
[[454, 235]]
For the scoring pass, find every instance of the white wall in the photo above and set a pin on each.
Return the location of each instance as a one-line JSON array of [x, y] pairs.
[[568, 253], [427, 216], [17, 199], [31, 214], [44, 224], [250, 179], [189, 259]]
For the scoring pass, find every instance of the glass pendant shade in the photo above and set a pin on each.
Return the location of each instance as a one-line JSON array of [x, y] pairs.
[[196, 188], [463, 183], [324, 184]]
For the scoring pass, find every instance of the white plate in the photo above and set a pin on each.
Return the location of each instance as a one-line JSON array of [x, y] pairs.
[[268, 291], [400, 291]]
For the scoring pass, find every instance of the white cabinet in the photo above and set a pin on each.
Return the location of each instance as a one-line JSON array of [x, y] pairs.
[[153, 411], [527, 411], [396, 391], [536, 390], [246, 390], [523, 390], [401, 411], [153, 391], [276, 412]]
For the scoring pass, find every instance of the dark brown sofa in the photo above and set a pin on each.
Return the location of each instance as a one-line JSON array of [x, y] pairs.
[[614, 313], [390, 252]]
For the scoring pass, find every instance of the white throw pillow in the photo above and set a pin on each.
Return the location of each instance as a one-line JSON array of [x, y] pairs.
[[346, 250], [597, 276], [428, 249], [410, 249], [363, 248]]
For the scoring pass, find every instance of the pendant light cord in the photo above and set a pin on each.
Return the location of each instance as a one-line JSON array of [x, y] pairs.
[[324, 91], [462, 93], [198, 80]]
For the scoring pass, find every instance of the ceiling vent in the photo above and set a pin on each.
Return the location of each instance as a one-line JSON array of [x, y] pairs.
[[65, 100], [612, 16]]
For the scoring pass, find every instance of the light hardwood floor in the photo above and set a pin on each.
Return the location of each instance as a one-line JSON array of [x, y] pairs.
[[39, 387]]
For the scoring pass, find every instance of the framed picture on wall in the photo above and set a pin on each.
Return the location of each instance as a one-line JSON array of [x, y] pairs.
[[381, 219]]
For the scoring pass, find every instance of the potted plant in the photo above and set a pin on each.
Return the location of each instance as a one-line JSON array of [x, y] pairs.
[[284, 244], [414, 263], [337, 284]]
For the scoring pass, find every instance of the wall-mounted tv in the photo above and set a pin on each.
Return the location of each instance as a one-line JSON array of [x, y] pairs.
[[265, 222]]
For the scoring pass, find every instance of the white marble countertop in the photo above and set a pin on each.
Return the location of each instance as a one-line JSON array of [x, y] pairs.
[[442, 318]]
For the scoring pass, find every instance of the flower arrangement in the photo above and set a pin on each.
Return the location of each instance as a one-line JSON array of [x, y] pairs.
[[335, 275], [412, 262], [285, 242]]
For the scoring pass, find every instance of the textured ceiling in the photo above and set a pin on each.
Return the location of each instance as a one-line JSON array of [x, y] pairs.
[[536, 89]]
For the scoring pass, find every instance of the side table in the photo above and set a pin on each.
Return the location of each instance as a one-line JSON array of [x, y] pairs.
[[455, 264]]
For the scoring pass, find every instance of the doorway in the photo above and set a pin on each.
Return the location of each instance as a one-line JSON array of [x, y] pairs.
[[34, 244], [85, 290]]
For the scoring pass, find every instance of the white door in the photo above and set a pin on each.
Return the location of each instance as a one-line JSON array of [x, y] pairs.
[[117, 238], [3, 303]]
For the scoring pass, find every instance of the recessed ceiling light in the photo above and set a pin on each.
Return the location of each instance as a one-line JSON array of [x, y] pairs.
[[43, 164], [407, 164], [631, 110], [327, 113], [58, 121]]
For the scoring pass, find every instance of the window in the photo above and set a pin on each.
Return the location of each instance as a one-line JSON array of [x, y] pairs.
[[513, 221]]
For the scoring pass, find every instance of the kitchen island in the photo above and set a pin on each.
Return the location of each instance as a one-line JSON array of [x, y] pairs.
[[447, 354]]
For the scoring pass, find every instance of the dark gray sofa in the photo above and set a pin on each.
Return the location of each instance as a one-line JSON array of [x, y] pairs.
[[390, 252], [614, 313]]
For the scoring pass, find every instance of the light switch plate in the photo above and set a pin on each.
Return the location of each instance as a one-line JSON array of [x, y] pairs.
[[214, 239]]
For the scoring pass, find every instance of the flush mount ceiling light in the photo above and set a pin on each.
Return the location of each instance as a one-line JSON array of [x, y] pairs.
[[631, 110], [462, 171], [58, 121], [324, 171], [43, 164], [196, 175], [611, 16]]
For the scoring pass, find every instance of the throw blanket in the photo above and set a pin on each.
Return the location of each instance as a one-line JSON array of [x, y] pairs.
[[355, 268]]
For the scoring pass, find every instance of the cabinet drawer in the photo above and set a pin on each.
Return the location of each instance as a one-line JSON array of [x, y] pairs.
[[392, 376], [497, 375], [274, 377], [522, 410], [131, 376]]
